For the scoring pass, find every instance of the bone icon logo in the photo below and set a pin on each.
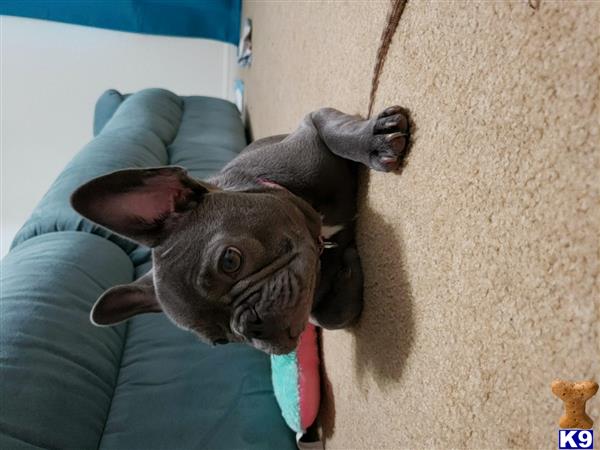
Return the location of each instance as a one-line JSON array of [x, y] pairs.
[[575, 425]]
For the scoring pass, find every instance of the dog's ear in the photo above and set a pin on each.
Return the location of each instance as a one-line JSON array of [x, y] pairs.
[[122, 302], [141, 204]]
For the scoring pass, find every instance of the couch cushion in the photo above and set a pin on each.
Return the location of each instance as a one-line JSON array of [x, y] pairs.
[[58, 370], [210, 135]]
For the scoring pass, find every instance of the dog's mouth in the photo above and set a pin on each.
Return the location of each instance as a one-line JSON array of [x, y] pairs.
[[278, 347], [283, 343], [272, 310], [274, 329]]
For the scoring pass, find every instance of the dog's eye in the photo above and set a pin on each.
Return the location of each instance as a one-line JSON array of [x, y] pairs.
[[231, 260]]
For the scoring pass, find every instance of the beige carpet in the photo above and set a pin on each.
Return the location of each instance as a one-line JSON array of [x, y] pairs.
[[481, 258]]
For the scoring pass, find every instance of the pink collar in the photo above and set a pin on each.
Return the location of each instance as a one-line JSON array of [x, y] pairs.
[[269, 183]]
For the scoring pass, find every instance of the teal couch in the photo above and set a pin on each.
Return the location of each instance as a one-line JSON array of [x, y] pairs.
[[144, 384]]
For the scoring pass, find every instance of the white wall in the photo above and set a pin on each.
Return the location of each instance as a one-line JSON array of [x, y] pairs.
[[51, 75]]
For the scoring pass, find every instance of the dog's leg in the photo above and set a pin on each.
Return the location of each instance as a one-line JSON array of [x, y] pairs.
[[379, 143], [314, 160], [339, 297]]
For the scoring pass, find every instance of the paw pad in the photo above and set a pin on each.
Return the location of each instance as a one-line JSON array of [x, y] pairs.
[[392, 134]]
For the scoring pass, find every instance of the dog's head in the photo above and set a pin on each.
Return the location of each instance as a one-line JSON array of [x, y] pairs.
[[229, 266]]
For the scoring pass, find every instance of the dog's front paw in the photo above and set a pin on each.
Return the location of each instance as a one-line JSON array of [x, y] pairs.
[[391, 136], [341, 303]]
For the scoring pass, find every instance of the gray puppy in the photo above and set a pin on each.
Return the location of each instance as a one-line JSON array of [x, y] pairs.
[[257, 251]]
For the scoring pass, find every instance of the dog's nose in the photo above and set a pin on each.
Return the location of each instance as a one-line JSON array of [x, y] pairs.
[[254, 329], [253, 326]]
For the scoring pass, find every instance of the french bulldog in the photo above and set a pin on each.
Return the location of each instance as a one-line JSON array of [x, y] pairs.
[[254, 253]]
